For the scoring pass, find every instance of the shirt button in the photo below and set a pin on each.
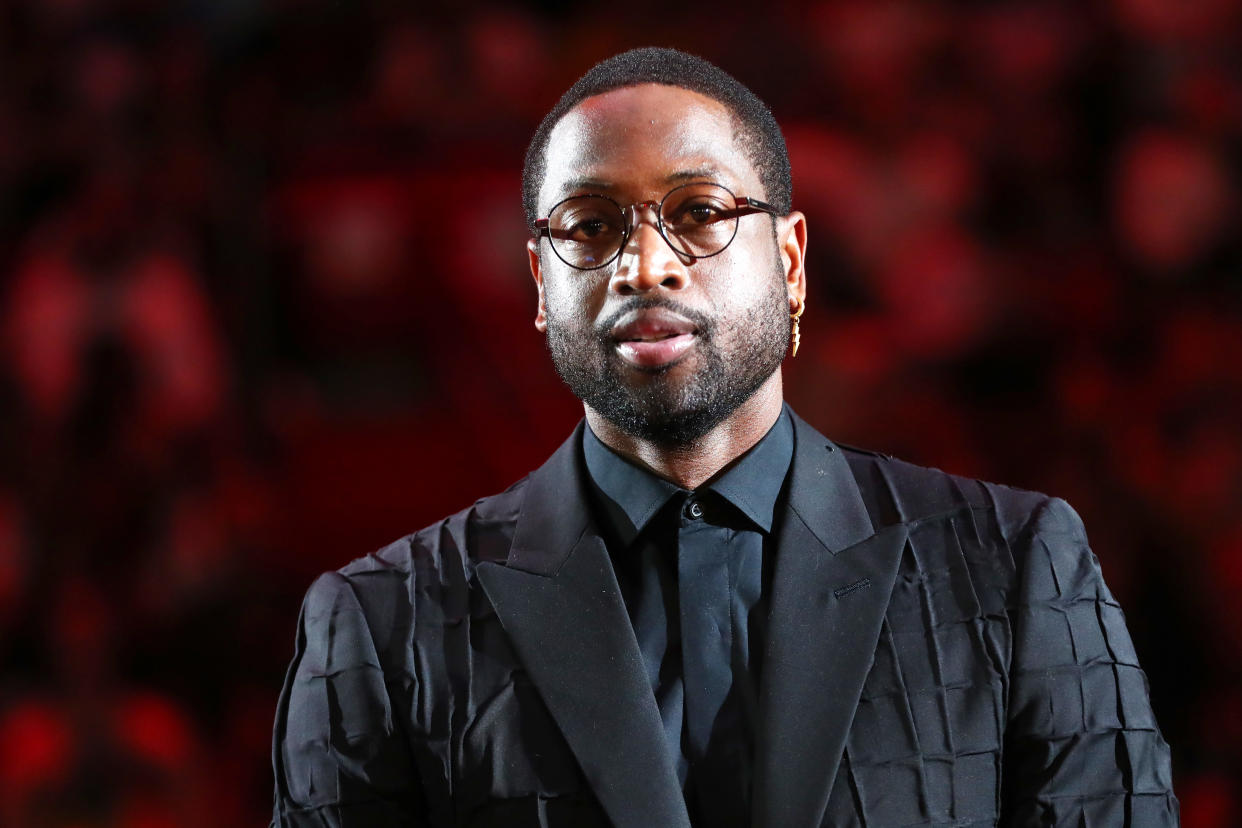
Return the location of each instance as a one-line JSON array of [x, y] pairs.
[[694, 510]]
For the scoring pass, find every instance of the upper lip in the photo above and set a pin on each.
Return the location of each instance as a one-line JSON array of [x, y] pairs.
[[651, 324]]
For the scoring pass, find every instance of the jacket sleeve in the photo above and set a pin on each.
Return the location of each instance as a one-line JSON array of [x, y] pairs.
[[339, 756], [1081, 746]]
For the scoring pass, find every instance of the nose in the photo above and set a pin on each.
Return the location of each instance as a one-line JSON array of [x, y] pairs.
[[646, 261]]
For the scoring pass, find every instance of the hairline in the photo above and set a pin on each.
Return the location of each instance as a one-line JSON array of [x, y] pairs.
[[739, 132], [742, 132]]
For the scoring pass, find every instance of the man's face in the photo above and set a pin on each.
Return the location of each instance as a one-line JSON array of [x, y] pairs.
[[663, 346]]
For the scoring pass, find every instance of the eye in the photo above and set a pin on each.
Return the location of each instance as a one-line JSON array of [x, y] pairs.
[[589, 229], [694, 212], [700, 213], [586, 220]]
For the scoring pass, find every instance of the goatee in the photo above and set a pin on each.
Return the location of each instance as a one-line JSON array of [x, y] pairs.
[[734, 358]]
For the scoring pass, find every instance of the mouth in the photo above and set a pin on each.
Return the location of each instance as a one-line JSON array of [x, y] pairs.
[[653, 337]]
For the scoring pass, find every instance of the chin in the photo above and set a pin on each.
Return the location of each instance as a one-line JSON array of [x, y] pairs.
[[665, 427], [664, 412], [674, 404]]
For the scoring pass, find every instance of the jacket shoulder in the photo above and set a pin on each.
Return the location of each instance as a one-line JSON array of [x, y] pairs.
[[480, 532], [897, 491], [437, 560], [425, 578]]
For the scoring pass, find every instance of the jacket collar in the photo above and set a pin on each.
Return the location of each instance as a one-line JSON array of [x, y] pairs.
[[830, 589], [823, 491], [554, 514], [559, 601]]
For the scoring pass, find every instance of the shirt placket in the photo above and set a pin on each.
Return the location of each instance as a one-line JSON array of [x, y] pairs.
[[713, 727]]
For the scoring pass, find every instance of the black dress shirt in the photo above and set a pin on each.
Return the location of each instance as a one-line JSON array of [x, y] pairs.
[[692, 569]]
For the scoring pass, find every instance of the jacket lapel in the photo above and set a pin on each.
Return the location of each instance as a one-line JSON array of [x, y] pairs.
[[558, 599], [830, 590]]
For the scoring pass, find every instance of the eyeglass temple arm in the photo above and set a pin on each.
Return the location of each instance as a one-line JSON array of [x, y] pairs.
[[747, 205], [542, 228]]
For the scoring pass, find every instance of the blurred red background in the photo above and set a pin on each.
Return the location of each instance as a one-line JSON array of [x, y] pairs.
[[264, 307]]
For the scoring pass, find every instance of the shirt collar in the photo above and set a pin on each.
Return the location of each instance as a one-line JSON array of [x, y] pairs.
[[753, 482], [631, 495]]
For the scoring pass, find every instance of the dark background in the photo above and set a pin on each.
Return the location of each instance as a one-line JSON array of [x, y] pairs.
[[264, 307]]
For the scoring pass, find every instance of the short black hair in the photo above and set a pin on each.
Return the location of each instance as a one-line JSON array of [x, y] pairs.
[[754, 127]]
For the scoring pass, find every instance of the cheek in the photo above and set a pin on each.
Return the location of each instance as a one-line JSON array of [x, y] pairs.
[[568, 298], [748, 279]]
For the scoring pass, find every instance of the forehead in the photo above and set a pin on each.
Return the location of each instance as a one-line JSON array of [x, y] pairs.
[[641, 139]]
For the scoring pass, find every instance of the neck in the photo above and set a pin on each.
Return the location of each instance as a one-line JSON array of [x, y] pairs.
[[691, 465]]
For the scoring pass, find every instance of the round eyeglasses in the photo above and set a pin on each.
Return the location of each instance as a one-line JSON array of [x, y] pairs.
[[697, 220]]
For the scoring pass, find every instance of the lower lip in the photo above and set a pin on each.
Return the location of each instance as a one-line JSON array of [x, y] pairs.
[[655, 353]]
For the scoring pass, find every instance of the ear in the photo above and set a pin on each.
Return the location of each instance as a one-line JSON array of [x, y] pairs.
[[791, 240], [536, 271]]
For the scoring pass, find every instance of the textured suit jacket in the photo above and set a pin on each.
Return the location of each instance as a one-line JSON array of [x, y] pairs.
[[941, 652]]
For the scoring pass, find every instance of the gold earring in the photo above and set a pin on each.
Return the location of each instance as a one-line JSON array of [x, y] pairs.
[[795, 334]]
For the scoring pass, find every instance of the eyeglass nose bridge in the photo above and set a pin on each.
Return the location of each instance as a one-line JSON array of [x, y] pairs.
[[631, 217], [631, 224]]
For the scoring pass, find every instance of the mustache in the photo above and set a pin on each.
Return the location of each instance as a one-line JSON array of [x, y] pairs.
[[705, 325]]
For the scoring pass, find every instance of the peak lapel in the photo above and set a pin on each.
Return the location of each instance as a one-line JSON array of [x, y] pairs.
[[559, 601], [830, 590]]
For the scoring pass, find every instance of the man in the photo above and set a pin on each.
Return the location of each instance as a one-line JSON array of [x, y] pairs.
[[700, 610]]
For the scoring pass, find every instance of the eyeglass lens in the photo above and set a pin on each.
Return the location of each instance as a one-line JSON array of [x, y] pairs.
[[697, 220]]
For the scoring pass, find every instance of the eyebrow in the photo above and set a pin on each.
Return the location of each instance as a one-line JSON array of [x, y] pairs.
[[585, 184], [690, 175], [599, 184]]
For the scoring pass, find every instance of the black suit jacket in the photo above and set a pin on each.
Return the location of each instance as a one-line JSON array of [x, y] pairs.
[[941, 652]]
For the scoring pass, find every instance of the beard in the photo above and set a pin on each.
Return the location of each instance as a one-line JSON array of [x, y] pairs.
[[736, 356]]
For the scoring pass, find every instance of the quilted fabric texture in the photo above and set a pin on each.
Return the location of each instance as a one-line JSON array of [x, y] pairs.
[[1003, 689], [1004, 675], [405, 704]]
